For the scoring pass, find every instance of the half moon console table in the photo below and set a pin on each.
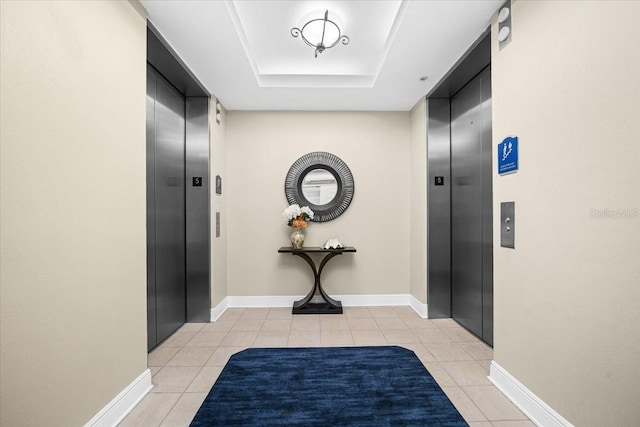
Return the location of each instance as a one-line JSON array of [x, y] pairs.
[[305, 306]]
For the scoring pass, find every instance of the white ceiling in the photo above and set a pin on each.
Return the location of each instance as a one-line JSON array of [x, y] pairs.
[[243, 52]]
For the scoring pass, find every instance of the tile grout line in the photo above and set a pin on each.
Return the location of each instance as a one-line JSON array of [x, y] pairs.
[[484, 414]]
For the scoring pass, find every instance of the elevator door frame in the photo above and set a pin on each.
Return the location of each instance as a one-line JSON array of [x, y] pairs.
[[476, 59], [164, 61]]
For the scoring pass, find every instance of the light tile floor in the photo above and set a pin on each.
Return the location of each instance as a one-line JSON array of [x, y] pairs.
[[186, 365]]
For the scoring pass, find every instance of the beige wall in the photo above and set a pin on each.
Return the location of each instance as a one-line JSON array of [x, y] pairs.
[[567, 318], [73, 278], [418, 184], [262, 146], [218, 166]]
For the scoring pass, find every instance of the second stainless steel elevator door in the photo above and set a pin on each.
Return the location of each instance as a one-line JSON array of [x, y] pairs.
[[471, 207], [166, 287]]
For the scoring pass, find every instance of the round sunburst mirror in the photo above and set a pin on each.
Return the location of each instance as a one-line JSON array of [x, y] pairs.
[[321, 181]]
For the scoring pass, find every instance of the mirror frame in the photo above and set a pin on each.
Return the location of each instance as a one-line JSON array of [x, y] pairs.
[[328, 162]]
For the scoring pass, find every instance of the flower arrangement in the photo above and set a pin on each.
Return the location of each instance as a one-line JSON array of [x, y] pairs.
[[298, 217]]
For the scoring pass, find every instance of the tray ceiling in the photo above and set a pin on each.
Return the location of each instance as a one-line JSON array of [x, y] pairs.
[[243, 52]]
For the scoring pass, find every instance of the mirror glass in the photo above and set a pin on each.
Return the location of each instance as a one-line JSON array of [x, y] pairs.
[[319, 186]]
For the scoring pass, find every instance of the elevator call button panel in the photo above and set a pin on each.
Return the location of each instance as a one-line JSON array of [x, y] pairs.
[[507, 224]]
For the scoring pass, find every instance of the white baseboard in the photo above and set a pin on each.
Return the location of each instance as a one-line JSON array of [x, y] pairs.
[[347, 301], [262, 301], [418, 307], [123, 403], [219, 310], [530, 404], [373, 300]]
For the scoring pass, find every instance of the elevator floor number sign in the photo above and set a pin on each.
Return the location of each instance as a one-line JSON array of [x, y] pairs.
[[508, 155]]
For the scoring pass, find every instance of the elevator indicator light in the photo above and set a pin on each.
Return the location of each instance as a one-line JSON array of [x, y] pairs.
[[197, 181], [218, 185]]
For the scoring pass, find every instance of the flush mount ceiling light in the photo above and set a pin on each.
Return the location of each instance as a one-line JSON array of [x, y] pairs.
[[321, 34], [504, 24]]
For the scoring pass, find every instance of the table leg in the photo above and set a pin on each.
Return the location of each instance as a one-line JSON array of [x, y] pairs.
[[326, 297], [305, 306], [304, 301]]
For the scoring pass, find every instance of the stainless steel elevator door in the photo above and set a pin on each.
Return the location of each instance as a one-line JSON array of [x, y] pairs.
[[471, 207], [166, 288]]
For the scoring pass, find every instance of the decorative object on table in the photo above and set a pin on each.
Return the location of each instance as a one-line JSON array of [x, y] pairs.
[[332, 244], [298, 218]]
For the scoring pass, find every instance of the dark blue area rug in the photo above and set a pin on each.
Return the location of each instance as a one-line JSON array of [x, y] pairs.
[[330, 386]]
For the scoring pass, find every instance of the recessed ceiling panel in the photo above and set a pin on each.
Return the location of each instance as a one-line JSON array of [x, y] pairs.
[[280, 60]]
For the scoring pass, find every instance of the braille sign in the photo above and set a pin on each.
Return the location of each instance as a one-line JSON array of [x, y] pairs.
[[508, 155]]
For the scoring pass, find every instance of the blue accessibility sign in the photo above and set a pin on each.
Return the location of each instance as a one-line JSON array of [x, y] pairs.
[[508, 155]]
